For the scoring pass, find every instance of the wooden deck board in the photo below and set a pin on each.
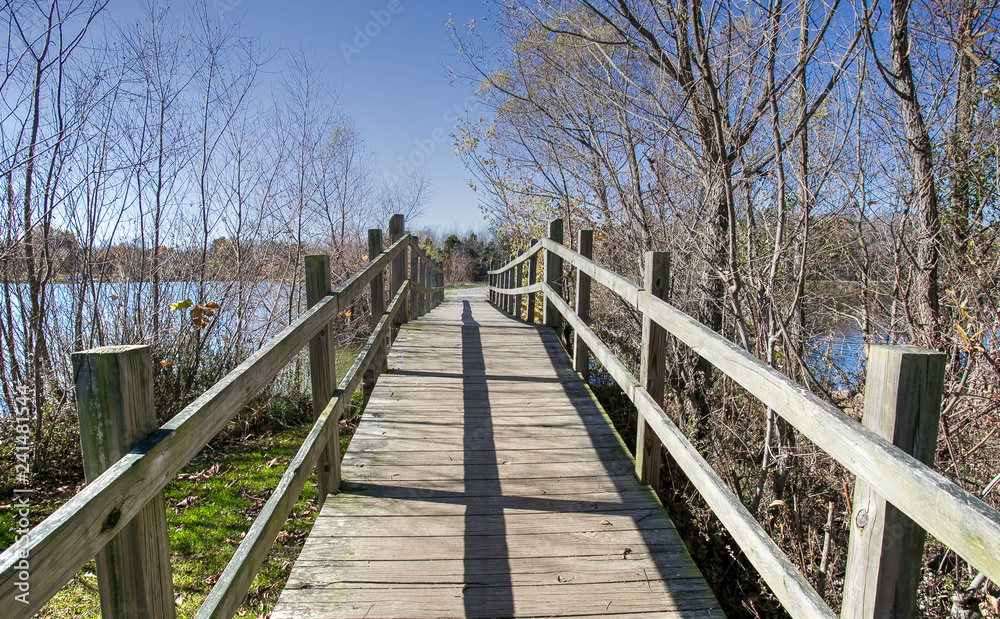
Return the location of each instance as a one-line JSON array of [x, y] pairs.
[[485, 481]]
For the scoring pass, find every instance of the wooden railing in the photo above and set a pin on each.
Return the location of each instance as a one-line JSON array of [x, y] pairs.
[[119, 516], [902, 404]]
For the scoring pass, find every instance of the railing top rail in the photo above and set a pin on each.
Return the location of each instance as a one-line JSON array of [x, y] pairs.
[[71, 535], [955, 516], [423, 255], [531, 251]]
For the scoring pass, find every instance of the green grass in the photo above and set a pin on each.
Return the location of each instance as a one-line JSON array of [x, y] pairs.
[[211, 504]]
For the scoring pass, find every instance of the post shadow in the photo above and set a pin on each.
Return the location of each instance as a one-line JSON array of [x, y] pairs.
[[488, 591]]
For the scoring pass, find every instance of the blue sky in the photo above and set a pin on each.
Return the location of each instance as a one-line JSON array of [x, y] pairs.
[[394, 84]]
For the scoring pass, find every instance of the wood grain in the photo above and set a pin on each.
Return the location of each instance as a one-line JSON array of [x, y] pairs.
[[461, 499]]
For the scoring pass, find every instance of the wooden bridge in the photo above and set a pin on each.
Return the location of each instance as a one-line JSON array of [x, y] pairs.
[[485, 480]]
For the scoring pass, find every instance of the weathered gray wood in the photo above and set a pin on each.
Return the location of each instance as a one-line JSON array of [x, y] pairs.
[[585, 247], [788, 584], [61, 544], [614, 282], [412, 309], [323, 374], [527, 255], [377, 295], [652, 368], [445, 454], [397, 269], [114, 396], [903, 390], [553, 273], [229, 591], [957, 518], [532, 275]]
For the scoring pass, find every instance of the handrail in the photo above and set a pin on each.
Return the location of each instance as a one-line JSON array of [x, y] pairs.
[[956, 517], [531, 251], [61, 544], [228, 593]]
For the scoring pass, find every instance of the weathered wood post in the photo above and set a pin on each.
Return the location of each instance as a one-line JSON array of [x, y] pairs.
[[532, 276], [902, 404], [553, 274], [114, 403], [397, 270], [323, 374], [652, 368], [414, 309], [424, 299], [519, 281], [508, 283], [581, 355], [377, 290]]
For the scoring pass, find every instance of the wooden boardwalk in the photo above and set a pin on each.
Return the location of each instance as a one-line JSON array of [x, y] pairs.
[[485, 481]]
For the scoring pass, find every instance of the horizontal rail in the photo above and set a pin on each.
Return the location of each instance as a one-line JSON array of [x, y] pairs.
[[956, 517], [228, 593], [531, 251], [533, 288], [62, 543], [426, 289], [423, 255], [784, 579]]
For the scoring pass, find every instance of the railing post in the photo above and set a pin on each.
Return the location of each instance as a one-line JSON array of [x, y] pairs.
[[397, 270], [519, 277], [652, 368], [323, 374], [553, 274], [532, 276], [903, 390], [114, 402], [581, 355], [377, 289], [414, 309], [424, 297], [508, 283]]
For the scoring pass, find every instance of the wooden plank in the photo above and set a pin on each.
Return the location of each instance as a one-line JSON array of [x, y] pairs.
[[652, 368], [789, 586], [73, 534], [903, 389], [227, 595], [397, 268], [114, 398], [450, 459], [323, 374]]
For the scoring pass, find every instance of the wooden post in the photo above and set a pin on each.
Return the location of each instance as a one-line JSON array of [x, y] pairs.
[[397, 270], [902, 404], [553, 275], [581, 355], [519, 281], [508, 304], [414, 311], [323, 373], [377, 289], [424, 299], [114, 403], [652, 368], [532, 275]]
